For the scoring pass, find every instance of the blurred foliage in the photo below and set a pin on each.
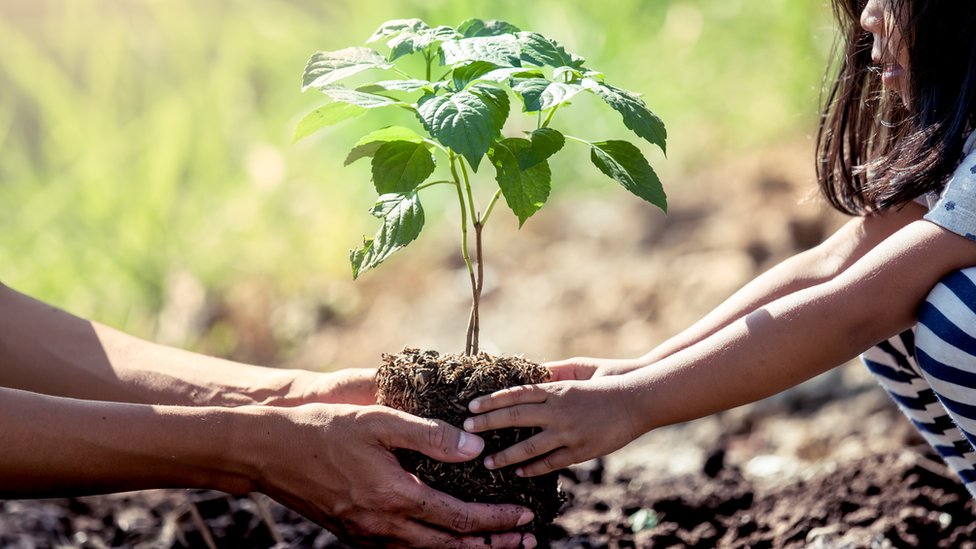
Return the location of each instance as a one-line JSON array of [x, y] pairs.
[[143, 138]]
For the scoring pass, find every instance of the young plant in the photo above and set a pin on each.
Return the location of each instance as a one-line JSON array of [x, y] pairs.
[[462, 111]]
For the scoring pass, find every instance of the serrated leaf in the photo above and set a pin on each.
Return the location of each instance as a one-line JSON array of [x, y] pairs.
[[624, 163], [327, 67], [482, 70], [466, 121], [399, 166], [327, 115], [634, 111], [409, 41], [361, 99], [545, 142], [369, 143], [539, 94], [396, 85], [525, 190], [492, 27], [403, 219], [395, 27], [500, 50], [541, 50]]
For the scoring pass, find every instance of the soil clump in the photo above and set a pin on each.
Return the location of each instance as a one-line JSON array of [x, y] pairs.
[[428, 384]]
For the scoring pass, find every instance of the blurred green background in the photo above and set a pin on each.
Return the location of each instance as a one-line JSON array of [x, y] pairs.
[[143, 138]]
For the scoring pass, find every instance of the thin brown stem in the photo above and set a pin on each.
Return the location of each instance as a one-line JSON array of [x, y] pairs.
[[469, 349], [476, 308]]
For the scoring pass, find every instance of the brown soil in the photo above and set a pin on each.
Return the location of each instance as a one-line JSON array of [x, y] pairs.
[[427, 384], [890, 499]]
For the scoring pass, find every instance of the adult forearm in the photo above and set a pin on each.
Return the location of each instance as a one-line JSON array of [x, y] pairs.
[[46, 350], [55, 446]]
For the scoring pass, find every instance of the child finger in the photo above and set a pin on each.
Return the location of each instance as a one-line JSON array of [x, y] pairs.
[[534, 446], [524, 394], [523, 415], [560, 459]]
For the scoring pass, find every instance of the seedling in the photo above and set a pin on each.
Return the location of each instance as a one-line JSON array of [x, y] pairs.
[[462, 102]]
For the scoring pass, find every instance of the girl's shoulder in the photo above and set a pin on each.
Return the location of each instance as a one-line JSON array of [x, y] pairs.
[[955, 209]]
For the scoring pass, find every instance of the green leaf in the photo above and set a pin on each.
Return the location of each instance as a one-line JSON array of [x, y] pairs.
[[403, 219], [525, 190], [409, 41], [396, 85], [327, 67], [492, 27], [634, 111], [482, 70], [369, 143], [624, 163], [399, 166], [361, 99], [466, 121], [545, 142], [500, 50], [540, 50], [395, 27], [327, 115], [539, 94]]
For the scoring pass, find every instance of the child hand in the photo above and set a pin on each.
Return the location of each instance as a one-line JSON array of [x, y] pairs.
[[580, 420], [580, 368]]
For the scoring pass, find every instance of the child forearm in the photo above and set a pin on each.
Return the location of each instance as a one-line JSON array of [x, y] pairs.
[[45, 350], [805, 333], [796, 273]]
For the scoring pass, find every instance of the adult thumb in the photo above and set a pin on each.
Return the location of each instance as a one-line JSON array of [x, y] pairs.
[[434, 438]]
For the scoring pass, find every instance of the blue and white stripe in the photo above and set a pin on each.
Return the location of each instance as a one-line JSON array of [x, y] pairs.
[[930, 371]]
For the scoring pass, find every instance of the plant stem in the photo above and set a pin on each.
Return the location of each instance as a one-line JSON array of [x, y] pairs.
[[549, 117], [427, 58], [432, 183], [468, 345], [476, 306], [475, 215], [578, 140], [491, 206]]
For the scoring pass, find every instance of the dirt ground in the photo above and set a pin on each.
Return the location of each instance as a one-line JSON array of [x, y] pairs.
[[831, 463]]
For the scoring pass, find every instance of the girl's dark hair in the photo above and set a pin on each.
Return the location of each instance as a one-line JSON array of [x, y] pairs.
[[874, 150]]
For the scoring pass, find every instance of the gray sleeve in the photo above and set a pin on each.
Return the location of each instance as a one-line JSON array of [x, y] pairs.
[[956, 208]]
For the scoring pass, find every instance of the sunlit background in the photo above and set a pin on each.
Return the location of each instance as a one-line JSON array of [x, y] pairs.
[[145, 145]]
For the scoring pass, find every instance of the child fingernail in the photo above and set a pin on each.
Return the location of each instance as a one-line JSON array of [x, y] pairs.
[[470, 445], [474, 405], [525, 518], [519, 472], [469, 424], [528, 541], [489, 462]]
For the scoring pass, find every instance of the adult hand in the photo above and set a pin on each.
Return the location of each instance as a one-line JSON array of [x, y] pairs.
[[582, 368], [335, 465]]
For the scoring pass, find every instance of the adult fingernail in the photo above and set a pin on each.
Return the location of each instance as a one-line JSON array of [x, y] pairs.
[[520, 472], [528, 541], [489, 462], [470, 445], [525, 518], [474, 405], [469, 424]]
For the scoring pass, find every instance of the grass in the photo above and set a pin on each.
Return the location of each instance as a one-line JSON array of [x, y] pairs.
[[144, 138]]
